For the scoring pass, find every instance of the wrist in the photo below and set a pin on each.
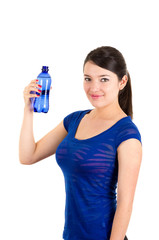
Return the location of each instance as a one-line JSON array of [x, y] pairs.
[[27, 109]]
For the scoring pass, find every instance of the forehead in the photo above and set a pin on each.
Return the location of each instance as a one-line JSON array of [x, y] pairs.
[[92, 69]]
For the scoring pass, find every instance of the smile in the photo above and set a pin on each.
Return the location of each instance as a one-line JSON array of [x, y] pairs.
[[94, 96]]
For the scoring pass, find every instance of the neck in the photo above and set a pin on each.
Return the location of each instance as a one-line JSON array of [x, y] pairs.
[[110, 112]]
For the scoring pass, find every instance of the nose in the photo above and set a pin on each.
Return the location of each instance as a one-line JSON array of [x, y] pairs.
[[95, 86]]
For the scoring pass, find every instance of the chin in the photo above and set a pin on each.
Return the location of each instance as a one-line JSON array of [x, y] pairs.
[[98, 105]]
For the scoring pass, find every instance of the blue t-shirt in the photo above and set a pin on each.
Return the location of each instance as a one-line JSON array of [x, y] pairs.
[[90, 169]]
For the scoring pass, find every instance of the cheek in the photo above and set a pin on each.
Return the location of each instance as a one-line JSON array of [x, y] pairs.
[[85, 87], [111, 91], [107, 89]]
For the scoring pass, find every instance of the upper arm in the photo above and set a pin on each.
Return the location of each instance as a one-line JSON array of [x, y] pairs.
[[47, 146], [129, 161]]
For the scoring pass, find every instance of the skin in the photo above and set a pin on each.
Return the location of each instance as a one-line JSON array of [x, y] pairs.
[[99, 81], [102, 82], [30, 151], [105, 83]]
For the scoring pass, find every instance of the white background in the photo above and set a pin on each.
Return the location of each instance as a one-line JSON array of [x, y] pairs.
[[60, 34]]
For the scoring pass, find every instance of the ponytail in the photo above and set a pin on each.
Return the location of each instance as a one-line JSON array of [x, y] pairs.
[[125, 98]]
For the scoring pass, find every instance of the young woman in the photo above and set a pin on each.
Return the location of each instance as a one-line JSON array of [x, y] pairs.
[[99, 150]]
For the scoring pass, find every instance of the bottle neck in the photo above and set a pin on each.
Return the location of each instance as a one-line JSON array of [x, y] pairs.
[[45, 69]]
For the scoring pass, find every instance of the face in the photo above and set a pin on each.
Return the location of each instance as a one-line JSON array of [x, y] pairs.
[[101, 86]]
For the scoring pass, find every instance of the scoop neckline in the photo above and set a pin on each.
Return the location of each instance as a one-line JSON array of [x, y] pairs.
[[91, 138]]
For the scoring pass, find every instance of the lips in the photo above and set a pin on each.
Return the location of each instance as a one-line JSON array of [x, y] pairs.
[[95, 96]]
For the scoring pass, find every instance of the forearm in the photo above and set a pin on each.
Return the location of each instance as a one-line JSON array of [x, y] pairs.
[[120, 222], [26, 142]]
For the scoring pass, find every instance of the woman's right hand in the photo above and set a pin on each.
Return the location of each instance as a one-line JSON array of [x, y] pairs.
[[30, 93]]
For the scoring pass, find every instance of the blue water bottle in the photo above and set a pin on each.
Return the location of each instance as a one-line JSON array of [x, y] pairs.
[[41, 104]]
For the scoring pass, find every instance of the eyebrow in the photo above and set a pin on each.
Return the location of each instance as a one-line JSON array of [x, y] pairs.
[[98, 76]]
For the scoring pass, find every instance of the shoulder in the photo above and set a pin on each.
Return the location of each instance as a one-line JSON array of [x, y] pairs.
[[127, 129], [129, 145], [72, 117], [75, 114]]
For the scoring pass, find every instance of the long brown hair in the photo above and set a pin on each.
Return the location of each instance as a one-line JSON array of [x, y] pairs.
[[111, 59]]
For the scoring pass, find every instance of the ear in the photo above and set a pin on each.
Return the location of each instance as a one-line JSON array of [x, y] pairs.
[[123, 82]]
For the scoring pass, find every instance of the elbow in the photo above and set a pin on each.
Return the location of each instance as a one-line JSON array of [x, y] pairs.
[[24, 161]]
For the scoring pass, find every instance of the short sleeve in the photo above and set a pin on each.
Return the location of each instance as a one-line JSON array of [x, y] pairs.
[[125, 133], [69, 120]]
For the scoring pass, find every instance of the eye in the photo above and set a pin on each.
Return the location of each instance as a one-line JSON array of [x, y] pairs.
[[104, 79], [87, 79]]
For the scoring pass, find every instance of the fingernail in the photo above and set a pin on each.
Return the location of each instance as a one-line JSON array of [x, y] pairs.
[[39, 86], [37, 80], [39, 90]]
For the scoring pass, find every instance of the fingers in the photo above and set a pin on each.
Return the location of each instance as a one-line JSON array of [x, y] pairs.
[[33, 95], [28, 90], [31, 91], [34, 84], [32, 87]]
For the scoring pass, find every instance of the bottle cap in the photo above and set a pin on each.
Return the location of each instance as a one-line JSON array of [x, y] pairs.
[[45, 69]]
